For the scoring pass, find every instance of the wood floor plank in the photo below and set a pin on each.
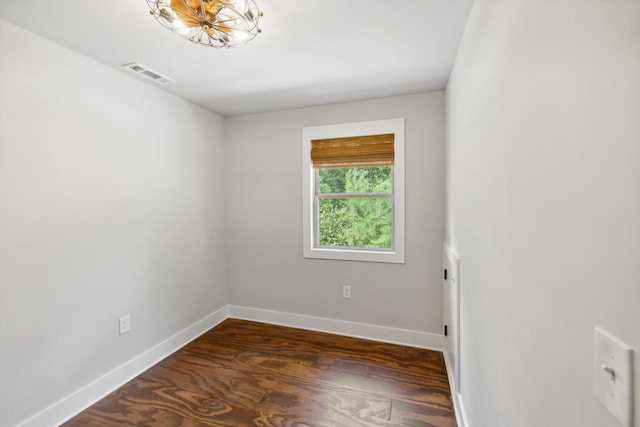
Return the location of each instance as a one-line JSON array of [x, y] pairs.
[[276, 392], [198, 373], [430, 414], [148, 403], [385, 385], [244, 373]]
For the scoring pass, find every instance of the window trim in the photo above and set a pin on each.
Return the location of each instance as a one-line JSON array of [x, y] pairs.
[[396, 254]]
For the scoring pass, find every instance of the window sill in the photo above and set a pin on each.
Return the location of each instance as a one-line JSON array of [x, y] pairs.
[[355, 255]]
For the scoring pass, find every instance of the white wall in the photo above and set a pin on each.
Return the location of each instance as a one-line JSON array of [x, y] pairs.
[[111, 196], [266, 268], [543, 124]]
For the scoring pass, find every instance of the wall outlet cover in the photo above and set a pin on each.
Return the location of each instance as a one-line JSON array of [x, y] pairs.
[[125, 324], [346, 291]]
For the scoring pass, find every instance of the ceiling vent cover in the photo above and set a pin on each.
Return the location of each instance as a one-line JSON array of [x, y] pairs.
[[148, 73]]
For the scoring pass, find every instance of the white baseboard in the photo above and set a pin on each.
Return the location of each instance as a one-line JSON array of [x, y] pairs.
[[341, 327], [81, 399], [456, 397], [86, 396], [463, 420]]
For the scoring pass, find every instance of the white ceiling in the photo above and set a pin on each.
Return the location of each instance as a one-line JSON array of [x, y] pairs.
[[309, 53]]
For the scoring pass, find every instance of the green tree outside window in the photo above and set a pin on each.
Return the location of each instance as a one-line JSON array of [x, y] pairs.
[[355, 207]]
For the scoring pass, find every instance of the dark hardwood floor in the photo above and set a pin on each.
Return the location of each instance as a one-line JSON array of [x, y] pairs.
[[251, 374]]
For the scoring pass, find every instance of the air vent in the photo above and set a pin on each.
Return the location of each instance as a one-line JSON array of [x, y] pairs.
[[148, 73]]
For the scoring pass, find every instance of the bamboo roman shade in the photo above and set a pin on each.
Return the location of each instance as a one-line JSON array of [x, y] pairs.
[[353, 152]]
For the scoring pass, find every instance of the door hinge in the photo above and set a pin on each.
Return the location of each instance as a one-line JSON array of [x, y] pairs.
[[446, 332]]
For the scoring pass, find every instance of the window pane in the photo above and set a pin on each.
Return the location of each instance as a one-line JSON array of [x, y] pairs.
[[360, 223], [355, 180]]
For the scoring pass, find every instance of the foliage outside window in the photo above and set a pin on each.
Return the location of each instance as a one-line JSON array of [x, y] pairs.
[[353, 206]]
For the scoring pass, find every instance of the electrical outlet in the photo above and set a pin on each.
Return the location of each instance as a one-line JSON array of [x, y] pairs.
[[125, 324], [346, 291]]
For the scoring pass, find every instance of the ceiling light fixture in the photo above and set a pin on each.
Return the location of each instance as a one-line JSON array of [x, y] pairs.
[[215, 23]]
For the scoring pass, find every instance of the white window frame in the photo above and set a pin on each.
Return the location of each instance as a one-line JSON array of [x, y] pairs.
[[346, 130]]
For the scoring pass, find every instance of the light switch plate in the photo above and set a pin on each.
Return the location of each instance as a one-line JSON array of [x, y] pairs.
[[613, 376]]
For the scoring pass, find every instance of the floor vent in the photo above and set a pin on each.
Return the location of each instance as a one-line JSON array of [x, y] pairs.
[[148, 73]]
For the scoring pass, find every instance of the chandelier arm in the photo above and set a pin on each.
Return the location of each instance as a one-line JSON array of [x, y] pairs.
[[187, 6], [248, 23], [203, 11]]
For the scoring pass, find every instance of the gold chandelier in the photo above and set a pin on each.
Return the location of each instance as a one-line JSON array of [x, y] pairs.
[[215, 23]]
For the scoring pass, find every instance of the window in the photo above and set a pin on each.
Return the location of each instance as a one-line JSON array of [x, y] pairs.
[[354, 191]]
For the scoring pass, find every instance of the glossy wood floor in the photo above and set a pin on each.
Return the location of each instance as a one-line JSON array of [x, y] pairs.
[[251, 374]]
